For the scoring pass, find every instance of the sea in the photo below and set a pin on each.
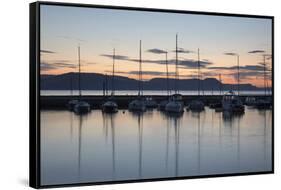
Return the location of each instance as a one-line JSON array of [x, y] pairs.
[[100, 147]]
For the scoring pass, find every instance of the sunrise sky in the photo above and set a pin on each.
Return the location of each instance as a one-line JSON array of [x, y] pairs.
[[98, 31]]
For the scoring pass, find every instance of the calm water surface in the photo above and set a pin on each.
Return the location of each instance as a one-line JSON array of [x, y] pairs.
[[103, 147]]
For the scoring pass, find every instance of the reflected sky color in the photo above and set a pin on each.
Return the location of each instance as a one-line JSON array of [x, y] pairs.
[[98, 31], [102, 147]]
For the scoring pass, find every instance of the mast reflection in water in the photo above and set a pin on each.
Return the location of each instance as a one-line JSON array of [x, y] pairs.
[[125, 145]]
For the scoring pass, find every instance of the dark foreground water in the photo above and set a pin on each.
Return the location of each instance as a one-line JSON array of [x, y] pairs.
[[103, 147]]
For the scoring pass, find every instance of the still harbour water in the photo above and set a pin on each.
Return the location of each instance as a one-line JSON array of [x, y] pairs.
[[106, 147]]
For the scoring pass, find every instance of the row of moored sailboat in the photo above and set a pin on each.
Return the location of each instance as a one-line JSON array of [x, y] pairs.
[[173, 104]]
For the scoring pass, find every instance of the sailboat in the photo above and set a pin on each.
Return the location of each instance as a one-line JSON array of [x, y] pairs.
[[175, 104], [72, 102], [110, 106], [163, 103], [81, 106], [231, 102], [139, 103], [197, 105], [150, 102]]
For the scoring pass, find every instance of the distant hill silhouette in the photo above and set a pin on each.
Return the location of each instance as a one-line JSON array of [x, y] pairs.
[[96, 81]]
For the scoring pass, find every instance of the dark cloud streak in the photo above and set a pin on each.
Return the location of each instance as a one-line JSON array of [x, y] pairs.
[[47, 66], [186, 63], [182, 50], [256, 51], [156, 51], [246, 67], [159, 73], [230, 53], [46, 51], [117, 57]]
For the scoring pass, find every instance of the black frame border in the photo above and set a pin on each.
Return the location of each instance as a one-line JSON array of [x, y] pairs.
[[34, 92]]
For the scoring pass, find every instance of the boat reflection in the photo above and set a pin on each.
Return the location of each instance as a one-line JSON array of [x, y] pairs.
[[110, 118], [198, 116], [238, 143], [263, 112], [172, 115], [71, 125], [151, 144], [138, 115], [79, 144], [140, 133], [105, 125], [220, 130], [199, 143], [112, 123], [175, 119], [229, 116], [167, 144]]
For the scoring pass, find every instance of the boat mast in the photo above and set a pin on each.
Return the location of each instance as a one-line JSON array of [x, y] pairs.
[[79, 75], [140, 73], [264, 75], [238, 76], [167, 73], [176, 74], [198, 54], [113, 70]]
